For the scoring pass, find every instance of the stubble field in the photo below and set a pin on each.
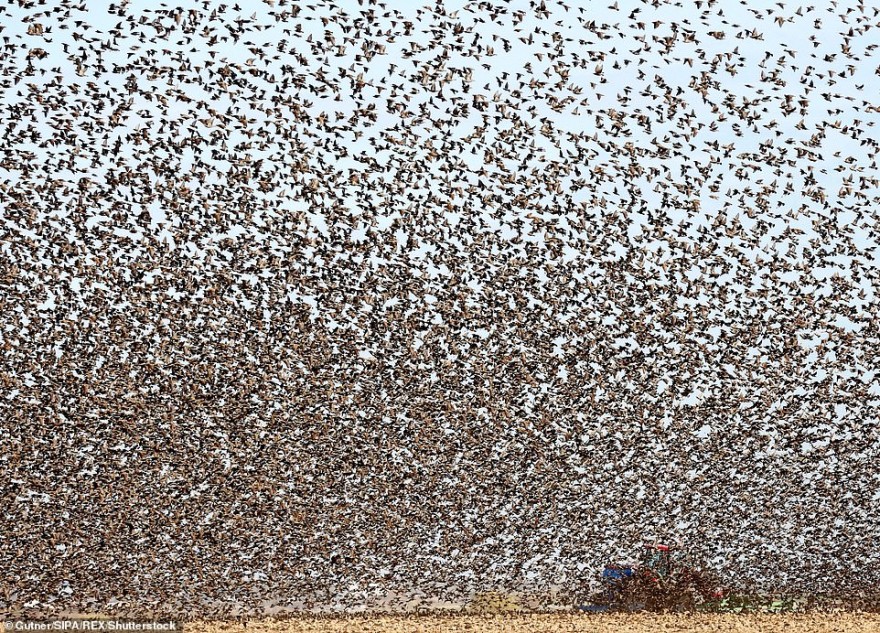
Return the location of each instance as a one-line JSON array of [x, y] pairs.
[[559, 623]]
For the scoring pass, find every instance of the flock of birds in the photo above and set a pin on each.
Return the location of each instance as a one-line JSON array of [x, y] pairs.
[[318, 303]]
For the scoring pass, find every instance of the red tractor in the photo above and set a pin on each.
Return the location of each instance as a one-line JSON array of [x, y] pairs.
[[661, 581]]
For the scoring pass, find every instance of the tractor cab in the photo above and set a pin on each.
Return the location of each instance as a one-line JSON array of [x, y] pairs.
[[657, 558]]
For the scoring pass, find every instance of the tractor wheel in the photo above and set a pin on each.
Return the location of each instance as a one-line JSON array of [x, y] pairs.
[[683, 601]]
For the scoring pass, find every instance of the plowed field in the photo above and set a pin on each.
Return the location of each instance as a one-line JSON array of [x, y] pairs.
[[559, 623]]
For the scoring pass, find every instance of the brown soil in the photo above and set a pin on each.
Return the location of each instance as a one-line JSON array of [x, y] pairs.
[[557, 623]]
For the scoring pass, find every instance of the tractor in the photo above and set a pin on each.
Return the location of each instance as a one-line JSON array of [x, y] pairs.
[[660, 581]]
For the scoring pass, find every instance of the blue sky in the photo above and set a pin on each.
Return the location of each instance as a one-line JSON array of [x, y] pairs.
[[741, 61]]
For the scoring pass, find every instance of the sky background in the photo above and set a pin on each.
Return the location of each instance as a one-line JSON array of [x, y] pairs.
[[790, 50]]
